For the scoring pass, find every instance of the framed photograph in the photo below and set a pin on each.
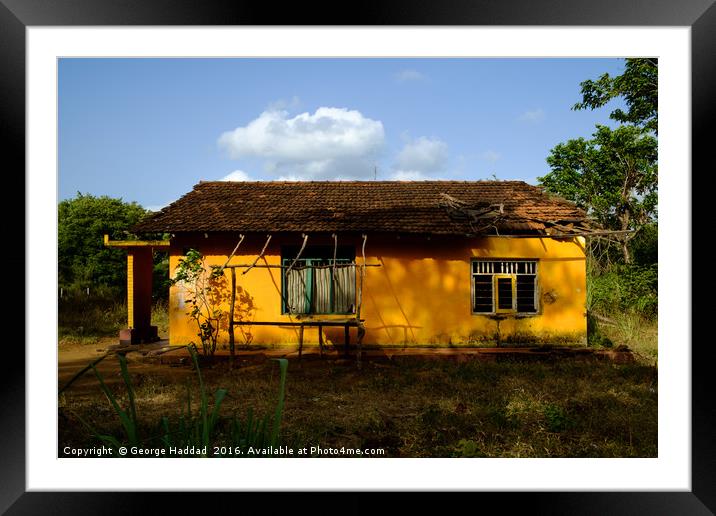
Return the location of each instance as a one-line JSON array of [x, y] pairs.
[[65, 63]]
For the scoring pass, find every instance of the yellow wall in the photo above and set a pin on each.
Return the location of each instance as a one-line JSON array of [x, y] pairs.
[[411, 300]]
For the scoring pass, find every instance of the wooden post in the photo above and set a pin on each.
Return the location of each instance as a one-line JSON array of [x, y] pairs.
[[360, 284], [241, 239], [261, 255], [360, 327], [300, 342], [361, 334], [231, 315], [320, 340], [347, 339]]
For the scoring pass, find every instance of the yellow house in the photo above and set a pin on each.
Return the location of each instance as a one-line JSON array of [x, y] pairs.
[[384, 264]]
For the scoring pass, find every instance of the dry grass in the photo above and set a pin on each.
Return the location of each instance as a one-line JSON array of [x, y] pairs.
[[638, 333], [84, 321], [414, 407], [409, 406]]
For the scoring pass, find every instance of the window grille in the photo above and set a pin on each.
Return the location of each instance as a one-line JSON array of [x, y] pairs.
[[504, 286]]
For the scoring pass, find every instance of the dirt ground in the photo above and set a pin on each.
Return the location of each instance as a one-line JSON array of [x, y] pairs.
[[440, 405]]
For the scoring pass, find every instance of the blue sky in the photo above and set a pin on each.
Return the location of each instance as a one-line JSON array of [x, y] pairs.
[[147, 130]]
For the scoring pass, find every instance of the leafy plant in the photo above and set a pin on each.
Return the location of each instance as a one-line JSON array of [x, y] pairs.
[[200, 431], [205, 309], [127, 417], [556, 418], [468, 448]]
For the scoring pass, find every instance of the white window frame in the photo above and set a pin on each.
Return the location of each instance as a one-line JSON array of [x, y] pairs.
[[504, 268]]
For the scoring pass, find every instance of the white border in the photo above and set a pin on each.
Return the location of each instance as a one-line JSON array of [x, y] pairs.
[[671, 471]]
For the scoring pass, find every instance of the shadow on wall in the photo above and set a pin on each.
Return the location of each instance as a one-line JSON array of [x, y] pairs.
[[279, 293], [244, 306], [413, 298], [407, 326], [434, 295]]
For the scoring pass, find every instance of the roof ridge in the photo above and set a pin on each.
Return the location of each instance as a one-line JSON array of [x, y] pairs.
[[392, 206]]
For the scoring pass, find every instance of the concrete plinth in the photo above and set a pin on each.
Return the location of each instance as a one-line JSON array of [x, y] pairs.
[[138, 335]]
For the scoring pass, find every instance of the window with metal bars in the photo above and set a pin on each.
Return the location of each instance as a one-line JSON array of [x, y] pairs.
[[316, 286], [504, 286]]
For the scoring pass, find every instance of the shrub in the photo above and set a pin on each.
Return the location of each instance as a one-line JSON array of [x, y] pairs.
[[595, 337], [625, 288], [645, 245], [556, 418]]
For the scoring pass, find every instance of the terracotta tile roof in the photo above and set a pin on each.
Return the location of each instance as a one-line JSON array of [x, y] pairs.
[[436, 207]]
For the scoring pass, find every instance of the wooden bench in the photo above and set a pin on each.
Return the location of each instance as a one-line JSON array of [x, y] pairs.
[[320, 323]]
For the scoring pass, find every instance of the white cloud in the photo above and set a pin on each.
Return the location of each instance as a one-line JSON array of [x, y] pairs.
[[409, 75], [237, 175], [289, 177], [534, 115], [424, 156], [409, 175], [491, 156], [332, 143], [156, 207]]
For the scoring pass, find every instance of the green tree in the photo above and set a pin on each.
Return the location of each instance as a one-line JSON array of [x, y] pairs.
[[637, 86], [613, 176], [83, 260]]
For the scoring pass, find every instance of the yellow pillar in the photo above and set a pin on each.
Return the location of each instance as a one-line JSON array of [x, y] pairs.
[[130, 290]]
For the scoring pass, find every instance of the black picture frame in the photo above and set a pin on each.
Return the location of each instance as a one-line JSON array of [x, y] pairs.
[[16, 15]]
